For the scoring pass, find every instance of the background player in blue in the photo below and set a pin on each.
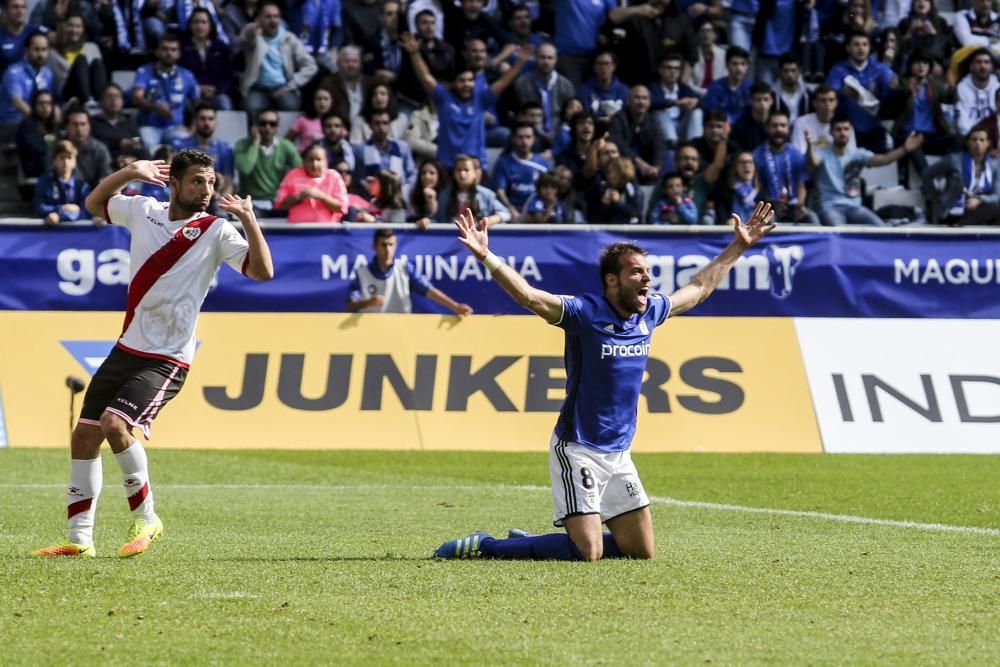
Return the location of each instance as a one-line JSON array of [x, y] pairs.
[[607, 345]]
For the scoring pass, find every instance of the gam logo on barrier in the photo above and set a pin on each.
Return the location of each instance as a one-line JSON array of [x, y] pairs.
[[771, 270]]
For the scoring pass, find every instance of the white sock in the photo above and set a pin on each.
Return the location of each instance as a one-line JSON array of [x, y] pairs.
[[135, 477], [86, 477]]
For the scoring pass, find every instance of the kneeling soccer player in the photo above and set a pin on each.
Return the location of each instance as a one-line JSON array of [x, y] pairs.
[[175, 251], [607, 345]]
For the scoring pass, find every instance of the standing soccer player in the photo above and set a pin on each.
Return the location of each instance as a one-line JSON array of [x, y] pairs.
[[607, 345], [175, 251]]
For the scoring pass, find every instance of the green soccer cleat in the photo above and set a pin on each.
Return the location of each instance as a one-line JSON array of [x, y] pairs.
[[464, 547], [140, 536], [67, 548]]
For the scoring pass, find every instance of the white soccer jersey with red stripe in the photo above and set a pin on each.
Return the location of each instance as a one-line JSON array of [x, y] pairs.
[[173, 263]]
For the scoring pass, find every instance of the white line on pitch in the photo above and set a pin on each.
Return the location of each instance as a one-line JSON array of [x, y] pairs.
[[660, 500]]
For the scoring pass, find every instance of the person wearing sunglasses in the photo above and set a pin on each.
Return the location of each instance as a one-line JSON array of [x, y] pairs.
[[263, 159]]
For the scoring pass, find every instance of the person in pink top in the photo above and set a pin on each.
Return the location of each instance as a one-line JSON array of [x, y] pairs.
[[308, 129], [313, 192]]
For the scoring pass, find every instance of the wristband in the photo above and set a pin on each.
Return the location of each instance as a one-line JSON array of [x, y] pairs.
[[492, 262]]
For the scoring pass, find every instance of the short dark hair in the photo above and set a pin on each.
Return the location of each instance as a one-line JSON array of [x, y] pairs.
[[27, 42], [760, 88], [382, 234], [777, 112], [840, 120], [424, 12], [823, 89], [333, 114], [857, 33], [203, 105], [168, 37], [716, 116], [521, 125], [189, 158], [547, 180], [261, 112], [737, 52], [611, 257], [788, 59]]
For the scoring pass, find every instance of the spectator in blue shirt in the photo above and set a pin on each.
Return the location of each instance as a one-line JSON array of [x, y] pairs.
[[781, 170], [864, 84], [544, 206], [517, 170], [203, 139], [60, 193], [604, 94], [20, 82], [468, 194], [14, 32], [383, 153], [732, 94], [461, 108], [318, 25], [161, 91]]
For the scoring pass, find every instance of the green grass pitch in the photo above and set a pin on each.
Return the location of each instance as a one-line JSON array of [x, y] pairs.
[[301, 558]]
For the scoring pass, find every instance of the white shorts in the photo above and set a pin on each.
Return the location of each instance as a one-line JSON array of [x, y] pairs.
[[588, 481]]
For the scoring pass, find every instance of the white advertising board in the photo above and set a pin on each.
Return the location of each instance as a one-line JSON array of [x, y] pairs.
[[904, 385]]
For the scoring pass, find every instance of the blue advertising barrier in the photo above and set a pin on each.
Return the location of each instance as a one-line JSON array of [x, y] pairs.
[[802, 274]]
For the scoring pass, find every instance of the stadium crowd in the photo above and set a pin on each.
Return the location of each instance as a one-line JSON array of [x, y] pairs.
[[542, 111]]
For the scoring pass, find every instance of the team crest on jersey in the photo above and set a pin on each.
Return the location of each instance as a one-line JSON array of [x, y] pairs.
[[191, 233], [643, 329]]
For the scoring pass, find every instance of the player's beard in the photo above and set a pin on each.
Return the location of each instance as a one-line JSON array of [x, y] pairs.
[[630, 303], [192, 205]]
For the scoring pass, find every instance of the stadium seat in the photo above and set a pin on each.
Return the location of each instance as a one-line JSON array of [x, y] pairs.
[[949, 17], [886, 176], [231, 126], [285, 120], [124, 78], [897, 196], [491, 158]]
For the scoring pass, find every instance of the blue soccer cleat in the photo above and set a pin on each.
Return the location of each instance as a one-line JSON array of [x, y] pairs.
[[463, 547], [517, 532]]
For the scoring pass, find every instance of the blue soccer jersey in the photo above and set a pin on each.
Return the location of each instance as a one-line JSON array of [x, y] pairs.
[[605, 364]]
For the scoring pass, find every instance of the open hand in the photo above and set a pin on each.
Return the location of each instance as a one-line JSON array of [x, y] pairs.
[[238, 206], [756, 228], [474, 236], [156, 172]]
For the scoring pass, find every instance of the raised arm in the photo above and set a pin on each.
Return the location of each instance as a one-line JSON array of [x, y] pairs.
[[420, 67], [705, 281], [812, 157], [507, 78], [912, 143], [547, 306], [156, 172], [260, 266]]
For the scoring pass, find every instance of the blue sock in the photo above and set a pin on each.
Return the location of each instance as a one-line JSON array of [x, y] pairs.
[[552, 546]]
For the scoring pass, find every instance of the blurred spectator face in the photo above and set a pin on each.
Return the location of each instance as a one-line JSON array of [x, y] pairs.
[[78, 127], [380, 127], [858, 10], [745, 168], [168, 53], [533, 116], [706, 35], [37, 50], [977, 143], [983, 7], [333, 129], [638, 100], [716, 131], [475, 55], [565, 176], [572, 107], [790, 75], [349, 63], [981, 67], [920, 68], [825, 105], [269, 20], [760, 104], [545, 58], [15, 13], [429, 176], [204, 123], [604, 67], [841, 131], [472, 8], [523, 140], [427, 26], [322, 101], [464, 85], [44, 106], [921, 7], [389, 18], [345, 172], [314, 162], [385, 250], [777, 129], [71, 31], [64, 164], [520, 21], [267, 126], [670, 71], [620, 172], [200, 25], [465, 174], [674, 188], [585, 129], [607, 153], [380, 97], [112, 101], [548, 192], [737, 68], [687, 162], [859, 48]]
